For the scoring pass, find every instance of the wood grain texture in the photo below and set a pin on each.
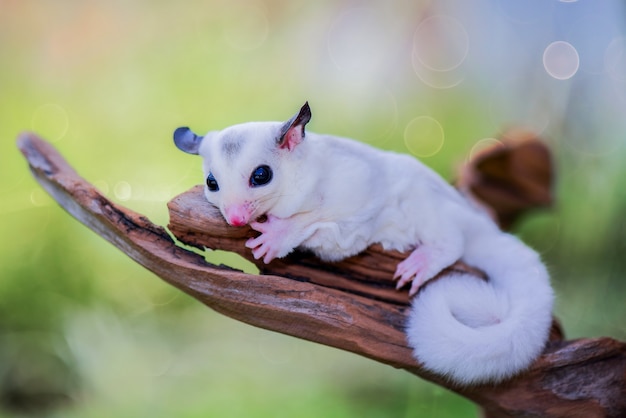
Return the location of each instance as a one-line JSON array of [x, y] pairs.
[[350, 305]]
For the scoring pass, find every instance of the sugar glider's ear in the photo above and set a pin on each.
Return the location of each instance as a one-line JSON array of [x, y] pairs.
[[292, 132], [186, 140]]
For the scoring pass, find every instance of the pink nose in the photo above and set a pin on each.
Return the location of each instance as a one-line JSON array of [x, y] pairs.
[[237, 215], [237, 221]]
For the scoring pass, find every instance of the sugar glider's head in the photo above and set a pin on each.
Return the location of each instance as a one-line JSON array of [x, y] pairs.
[[244, 165]]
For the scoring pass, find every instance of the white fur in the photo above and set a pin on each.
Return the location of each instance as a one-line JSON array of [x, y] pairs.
[[336, 197]]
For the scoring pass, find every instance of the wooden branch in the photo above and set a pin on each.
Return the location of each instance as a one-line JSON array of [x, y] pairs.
[[349, 305], [511, 177]]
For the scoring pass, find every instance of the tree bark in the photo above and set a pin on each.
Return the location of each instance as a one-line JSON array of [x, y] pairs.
[[351, 305]]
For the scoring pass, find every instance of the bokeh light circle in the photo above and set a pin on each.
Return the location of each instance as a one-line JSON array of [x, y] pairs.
[[123, 191], [440, 43], [561, 60], [38, 197], [424, 136]]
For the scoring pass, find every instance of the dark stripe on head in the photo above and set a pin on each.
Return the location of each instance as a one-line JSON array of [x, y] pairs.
[[231, 147]]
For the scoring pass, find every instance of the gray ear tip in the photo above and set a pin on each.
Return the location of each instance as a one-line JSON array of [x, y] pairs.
[[180, 132], [186, 140]]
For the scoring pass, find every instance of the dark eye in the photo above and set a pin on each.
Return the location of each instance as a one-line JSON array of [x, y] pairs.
[[260, 176], [212, 183]]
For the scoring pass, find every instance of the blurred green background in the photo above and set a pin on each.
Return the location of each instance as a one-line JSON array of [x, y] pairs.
[[84, 332]]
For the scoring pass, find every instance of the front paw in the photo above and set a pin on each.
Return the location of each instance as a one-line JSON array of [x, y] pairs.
[[272, 243]]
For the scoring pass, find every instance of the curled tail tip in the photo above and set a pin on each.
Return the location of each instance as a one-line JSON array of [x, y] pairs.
[[472, 334]]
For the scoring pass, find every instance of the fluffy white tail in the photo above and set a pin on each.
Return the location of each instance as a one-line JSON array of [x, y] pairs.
[[475, 331]]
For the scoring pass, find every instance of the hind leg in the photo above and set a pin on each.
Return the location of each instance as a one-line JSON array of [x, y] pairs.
[[428, 260]]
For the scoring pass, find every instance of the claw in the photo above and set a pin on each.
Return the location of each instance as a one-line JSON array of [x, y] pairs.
[[268, 258], [256, 252], [252, 243], [415, 287], [405, 278]]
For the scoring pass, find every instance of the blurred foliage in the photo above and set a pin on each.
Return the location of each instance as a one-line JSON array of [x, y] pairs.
[[84, 332]]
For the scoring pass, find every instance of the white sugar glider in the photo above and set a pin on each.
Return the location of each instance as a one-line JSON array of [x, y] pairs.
[[336, 196]]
